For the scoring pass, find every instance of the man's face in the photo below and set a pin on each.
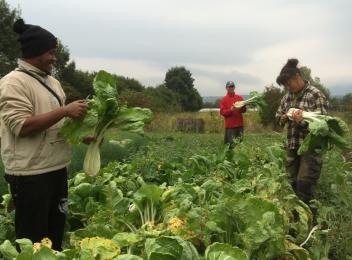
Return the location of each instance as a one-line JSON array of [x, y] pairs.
[[46, 61], [230, 89]]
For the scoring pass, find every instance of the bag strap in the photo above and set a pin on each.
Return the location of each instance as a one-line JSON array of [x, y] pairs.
[[45, 85]]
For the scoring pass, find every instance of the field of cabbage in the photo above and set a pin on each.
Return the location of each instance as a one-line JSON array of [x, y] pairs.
[[184, 196]]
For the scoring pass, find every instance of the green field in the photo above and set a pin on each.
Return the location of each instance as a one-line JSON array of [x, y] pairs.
[[188, 191]]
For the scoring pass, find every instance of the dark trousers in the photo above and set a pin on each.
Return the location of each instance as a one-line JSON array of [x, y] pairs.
[[40, 205], [304, 172], [233, 133]]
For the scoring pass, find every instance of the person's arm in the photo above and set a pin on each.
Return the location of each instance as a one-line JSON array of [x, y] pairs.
[[224, 110], [39, 123], [244, 108], [321, 103]]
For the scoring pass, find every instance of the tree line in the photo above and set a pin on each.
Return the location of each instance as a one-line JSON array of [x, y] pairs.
[[177, 93]]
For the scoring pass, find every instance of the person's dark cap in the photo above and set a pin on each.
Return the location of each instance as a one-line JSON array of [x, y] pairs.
[[230, 84], [34, 39]]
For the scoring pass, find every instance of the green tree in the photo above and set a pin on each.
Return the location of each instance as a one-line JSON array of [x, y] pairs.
[[62, 58], [307, 75], [158, 99], [164, 99], [77, 83], [272, 96], [180, 80], [9, 46], [125, 83]]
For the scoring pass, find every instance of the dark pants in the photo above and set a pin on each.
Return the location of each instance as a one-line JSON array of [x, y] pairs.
[[304, 172], [41, 205], [233, 133]]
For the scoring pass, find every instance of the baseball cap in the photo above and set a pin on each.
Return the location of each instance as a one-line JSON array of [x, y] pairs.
[[230, 84]]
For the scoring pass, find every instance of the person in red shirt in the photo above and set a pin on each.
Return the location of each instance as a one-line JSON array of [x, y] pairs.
[[232, 116]]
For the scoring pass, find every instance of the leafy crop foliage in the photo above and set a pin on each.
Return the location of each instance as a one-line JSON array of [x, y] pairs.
[[255, 99], [202, 201], [324, 132], [104, 112]]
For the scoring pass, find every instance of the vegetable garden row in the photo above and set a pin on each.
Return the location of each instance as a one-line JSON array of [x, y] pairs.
[[171, 201], [232, 204]]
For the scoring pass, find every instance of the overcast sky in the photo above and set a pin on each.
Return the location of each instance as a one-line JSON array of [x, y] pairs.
[[217, 40]]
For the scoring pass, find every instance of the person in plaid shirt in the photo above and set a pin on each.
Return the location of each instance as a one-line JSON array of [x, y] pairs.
[[304, 171]]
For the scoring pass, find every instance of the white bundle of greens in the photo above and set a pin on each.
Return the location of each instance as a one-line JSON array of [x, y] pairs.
[[104, 112], [324, 132], [255, 99]]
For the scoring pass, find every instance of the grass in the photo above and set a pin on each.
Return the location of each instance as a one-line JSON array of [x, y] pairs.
[[213, 122]]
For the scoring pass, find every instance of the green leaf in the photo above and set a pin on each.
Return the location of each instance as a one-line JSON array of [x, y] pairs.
[[163, 248], [299, 252], [45, 253], [83, 189], [219, 251], [104, 112], [132, 119], [125, 239], [212, 226], [99, 247], [24, 243], [150, 192], [324, 131], [170, 248], [26, 254], [128, 257], [104, 85], [8, 250]]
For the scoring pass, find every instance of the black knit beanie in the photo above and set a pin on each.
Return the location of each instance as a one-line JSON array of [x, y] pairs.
[[34, 39]]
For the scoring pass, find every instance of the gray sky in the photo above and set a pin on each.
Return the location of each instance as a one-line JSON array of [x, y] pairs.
[[244, 41]]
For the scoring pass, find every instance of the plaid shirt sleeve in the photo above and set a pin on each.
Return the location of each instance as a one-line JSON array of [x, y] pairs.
[[311, 99], [281, 110], [321, 103]]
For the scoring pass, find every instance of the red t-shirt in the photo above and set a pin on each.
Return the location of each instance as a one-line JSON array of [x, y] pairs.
[[232, 118]]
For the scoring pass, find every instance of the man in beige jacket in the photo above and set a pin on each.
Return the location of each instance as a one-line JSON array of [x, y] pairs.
[[35, 156]]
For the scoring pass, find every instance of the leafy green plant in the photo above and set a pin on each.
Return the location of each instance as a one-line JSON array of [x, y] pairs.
[[255, 99], [324, 132], [104, 112], [170, 248], [147, 200], [219, 251]]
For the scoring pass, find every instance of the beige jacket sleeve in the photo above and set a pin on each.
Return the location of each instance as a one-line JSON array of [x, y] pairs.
[[15, 105]]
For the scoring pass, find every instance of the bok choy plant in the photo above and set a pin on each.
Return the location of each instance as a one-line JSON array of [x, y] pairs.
[[104, 112], [324, 132], [255, 99]]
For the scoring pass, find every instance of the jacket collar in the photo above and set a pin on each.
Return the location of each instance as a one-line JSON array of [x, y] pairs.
[[26, 66]]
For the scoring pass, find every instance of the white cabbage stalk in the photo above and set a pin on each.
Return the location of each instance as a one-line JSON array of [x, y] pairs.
[[91, 164], [305, 114], [239, 104], [255, 99]]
